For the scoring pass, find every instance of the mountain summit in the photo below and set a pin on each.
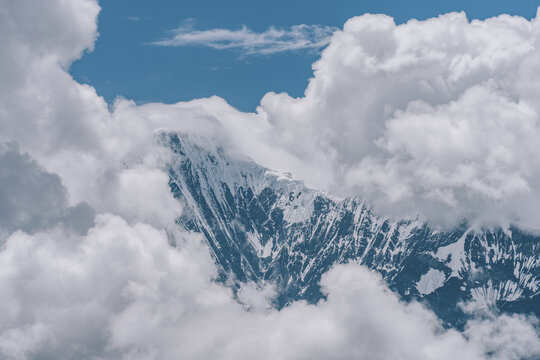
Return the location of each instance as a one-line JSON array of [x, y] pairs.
[[263, 226]]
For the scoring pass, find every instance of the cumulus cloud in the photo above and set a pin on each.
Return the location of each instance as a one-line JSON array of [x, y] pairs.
[[505, 337], [57, 121], [271, 41], [32, 198], [101, 159], [438, 118], [123, 292], [134, 285]]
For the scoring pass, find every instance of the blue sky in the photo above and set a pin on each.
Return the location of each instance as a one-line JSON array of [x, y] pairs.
[[123, 63]]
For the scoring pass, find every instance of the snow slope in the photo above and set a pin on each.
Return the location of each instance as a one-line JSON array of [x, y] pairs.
[[264, 226]]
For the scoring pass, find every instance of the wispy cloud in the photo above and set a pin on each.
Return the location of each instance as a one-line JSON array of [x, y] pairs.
[[273, 40]]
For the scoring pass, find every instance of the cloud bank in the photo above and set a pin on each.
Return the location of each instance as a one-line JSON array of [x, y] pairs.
[[128, 283], [122, 292], [438, 118], [271, 41]]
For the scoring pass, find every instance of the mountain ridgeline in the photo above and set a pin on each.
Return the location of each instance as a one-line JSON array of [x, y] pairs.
[[264, 226]]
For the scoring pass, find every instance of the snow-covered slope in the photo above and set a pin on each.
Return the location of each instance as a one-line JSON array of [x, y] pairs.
[[265, 226]]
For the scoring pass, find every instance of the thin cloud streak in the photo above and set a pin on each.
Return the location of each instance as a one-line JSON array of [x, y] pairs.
[[271, 41]]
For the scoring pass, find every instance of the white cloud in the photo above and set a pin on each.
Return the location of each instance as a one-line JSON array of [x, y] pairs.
[[33, 199], [142, 194], [123, 292], [273, 40], [56, 120], [438, 118], [505, 337]]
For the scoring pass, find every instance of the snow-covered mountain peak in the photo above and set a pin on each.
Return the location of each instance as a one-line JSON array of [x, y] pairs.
[[264, 225]]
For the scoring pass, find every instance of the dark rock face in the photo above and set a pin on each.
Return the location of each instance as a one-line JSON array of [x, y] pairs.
[[265, 226]]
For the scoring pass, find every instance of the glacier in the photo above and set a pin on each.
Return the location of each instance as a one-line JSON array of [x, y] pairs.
[[265, 226]]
